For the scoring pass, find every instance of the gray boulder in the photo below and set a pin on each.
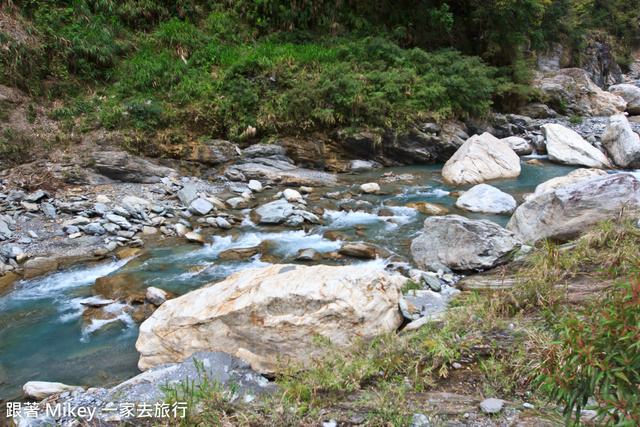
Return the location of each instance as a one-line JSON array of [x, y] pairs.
[[463, 244], [487, 199], [124, 167], [622, 144], [519, 145], [629, 93], [187, 195], [566, 212], [201, 207], [274, 213], [567, 147]]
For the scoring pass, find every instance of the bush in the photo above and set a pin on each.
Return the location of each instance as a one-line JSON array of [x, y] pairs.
[[598, 355]]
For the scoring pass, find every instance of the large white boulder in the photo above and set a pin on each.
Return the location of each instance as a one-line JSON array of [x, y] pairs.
[[566, 212], [622, 144], [572, 177], [487, 199], [463, 244], [565, 146], [273, 312], [481, 158], [630, 93], [38, 390]]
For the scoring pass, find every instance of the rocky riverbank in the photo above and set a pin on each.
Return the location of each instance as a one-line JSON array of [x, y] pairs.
[[263, 317]]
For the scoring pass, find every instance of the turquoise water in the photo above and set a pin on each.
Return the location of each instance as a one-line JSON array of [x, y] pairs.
[[44, 337]]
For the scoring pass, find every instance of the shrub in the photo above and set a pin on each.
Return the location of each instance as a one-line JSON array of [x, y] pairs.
[[598, 354]]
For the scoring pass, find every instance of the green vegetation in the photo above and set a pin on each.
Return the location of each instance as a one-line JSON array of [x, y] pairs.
[[186, 69]]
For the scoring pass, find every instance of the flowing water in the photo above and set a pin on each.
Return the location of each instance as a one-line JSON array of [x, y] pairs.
[[44, 337]]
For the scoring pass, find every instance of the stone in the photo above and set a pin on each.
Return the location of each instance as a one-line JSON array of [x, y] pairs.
[[519, 145], [30, 207], [238, 254], [194, 237], [123, 212], [48, 210], [148, 231], [237, 203], [95, 229], [308, 255], [157, 296], [122, 166], [101, 198], [566, 147], [200, 207], [274, 312], [294, 221], [117, 286], [361, 250], [622, 144], [358, 166], [187, 195], [134, 200], [481, 158], [573, 177], [432, 282], [39, 266], [128, 253], [181, 229], [223, 223], [630, 93], [566, 212], [255, 186], [463, 244], [408, 309], [334, 235], [36, 196], [491, 406], [291, 195], [370, 188], [274, 213], [39, 390], [487, 199], [4, 230], [118, 220]]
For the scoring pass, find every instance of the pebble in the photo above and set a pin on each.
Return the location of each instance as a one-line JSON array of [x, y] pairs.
[[491, 406]]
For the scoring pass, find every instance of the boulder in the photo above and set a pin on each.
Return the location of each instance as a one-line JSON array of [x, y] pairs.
[[194, 237], [124, 167], [622, 144], [117, 286], [358, 166], [575, 176], [38, 390], [273, 213], [631, 94], [566, 212], [571, 91], [238, 254], [427, 208], [566, 147], [370, 187], [361, 250], [291, 195], [255, 186], [187, 195], [487, 199], [519, 145], [200, 206], [481, 158], [134, 200], [308, 255], [274, 313], [463, 244], [39, 266], [157, 296]]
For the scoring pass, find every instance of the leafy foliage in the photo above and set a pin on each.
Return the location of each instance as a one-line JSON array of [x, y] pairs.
[[598, 355]]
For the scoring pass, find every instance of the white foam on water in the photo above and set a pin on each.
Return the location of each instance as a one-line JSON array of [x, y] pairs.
[[635, 173], [54, 285], [343, 219], [73, 309], [535, 155], [116, 308]]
